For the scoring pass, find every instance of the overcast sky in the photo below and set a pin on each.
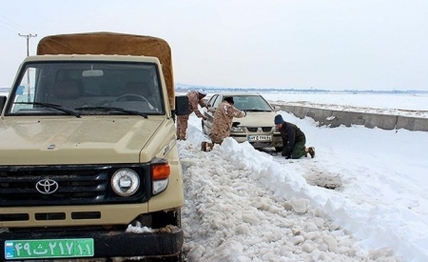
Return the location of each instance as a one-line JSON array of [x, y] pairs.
[[329, 44]]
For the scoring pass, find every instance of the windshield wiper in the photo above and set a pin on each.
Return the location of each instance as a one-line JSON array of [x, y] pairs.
[[57, 107], [110, 108]]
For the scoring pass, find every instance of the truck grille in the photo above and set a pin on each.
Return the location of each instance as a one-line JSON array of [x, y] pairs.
[[72, 185], [263, 128]]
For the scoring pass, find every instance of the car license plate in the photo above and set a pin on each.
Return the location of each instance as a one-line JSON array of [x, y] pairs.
[[49, 248], [259, 138]]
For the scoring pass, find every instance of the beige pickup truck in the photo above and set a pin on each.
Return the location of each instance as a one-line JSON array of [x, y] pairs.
[[89, 165]]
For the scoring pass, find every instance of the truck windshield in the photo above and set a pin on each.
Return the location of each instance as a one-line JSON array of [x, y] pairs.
[[87, 88]]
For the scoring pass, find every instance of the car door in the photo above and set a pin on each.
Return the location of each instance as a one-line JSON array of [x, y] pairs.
[[209, 114]]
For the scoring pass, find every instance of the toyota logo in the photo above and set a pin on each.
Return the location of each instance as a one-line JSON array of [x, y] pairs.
[[47, 186]]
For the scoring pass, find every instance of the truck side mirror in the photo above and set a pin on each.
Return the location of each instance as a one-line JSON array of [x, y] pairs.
[[181, 105], [2, 102]]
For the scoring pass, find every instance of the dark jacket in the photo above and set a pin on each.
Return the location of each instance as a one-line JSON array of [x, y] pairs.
[[290, 135]]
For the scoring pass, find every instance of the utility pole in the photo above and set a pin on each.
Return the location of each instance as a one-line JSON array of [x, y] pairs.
[[28, 36]]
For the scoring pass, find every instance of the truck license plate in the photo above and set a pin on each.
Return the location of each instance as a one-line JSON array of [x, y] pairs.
[[49, 248], [259, 138]]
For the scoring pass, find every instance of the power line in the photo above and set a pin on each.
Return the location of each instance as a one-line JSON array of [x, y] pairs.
[[11, 25]]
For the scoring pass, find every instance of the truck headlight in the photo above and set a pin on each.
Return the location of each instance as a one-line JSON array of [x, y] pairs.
[[125, 182]]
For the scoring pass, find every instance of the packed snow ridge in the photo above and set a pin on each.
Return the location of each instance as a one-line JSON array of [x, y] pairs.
[[230, 215]]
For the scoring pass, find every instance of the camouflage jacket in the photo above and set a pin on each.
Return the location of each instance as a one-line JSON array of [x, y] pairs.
[[194, 101], [223, 117]]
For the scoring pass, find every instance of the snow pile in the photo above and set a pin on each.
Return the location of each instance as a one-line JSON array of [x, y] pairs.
[[229, 214]]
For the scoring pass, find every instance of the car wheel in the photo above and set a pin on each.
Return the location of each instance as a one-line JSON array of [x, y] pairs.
[[279, 149], [204, 128]]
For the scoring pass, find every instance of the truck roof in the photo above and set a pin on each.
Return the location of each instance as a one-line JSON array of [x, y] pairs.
[[109, 43]]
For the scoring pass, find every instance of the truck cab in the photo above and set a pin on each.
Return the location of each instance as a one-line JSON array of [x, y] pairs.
[[89, 166]]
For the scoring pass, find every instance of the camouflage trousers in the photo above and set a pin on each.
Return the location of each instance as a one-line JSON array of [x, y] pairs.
[[182, 122], [216, 138]]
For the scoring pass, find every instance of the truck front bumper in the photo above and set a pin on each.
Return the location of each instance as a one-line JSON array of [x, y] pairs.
[[111, 243]]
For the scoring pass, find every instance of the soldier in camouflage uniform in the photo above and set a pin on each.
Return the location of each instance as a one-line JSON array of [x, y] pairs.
[[195, 99], [222, 121], [293, 140]]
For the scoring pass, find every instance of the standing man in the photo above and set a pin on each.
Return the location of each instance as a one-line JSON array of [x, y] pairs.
[[293, 140], [195, 99], [222, 121]]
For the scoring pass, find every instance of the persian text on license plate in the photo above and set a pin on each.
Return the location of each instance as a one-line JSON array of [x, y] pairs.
[[259, 138], [49, 248]]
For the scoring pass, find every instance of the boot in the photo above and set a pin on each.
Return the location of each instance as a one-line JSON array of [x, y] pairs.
[[311, 151], [206, 146]]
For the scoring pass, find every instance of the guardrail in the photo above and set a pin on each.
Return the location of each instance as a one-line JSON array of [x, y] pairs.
[[335, 118]]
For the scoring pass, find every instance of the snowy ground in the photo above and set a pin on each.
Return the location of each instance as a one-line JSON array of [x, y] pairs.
[[362, 198]]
